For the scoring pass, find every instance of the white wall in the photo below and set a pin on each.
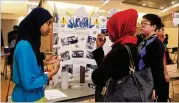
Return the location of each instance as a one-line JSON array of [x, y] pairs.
[[7, 26]]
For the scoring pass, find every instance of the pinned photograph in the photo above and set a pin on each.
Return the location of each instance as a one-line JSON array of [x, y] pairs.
[[69, 40], [56, 18], [72, 40], [55, 38], [94, 32], [64, 41], [68, 67], [88, 73], [55, 51], [65, 56], [78, 54], [90, 66], [90, 42], [87, 70], [89, 55]]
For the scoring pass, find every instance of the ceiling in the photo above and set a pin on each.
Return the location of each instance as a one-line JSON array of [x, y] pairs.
[[155, 4], [19, 7]]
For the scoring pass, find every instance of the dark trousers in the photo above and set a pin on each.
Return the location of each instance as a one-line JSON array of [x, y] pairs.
[[163, 92], [98, 95]]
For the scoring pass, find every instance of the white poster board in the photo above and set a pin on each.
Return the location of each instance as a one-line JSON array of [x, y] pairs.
[[74, 39]]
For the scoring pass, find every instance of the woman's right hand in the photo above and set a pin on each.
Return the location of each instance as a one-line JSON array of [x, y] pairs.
[[101, 39]]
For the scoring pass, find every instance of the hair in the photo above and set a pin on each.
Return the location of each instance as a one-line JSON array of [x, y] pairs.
[[154, 20], [15, 27], [161, 27], [29, 30]]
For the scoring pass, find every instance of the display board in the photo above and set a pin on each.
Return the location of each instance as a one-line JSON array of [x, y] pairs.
[[74, 39]]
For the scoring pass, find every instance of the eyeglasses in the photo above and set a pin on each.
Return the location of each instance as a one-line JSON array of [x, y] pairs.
[[144, 24]]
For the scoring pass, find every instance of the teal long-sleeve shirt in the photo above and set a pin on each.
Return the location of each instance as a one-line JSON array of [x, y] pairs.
[[27, 75]]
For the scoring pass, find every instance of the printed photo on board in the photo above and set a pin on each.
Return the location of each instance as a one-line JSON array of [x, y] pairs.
[[78, 54], [65, 56], [90, 66], [68, 67], [55, 38], [56, 18], [55, 51], [64, 41], [69, 40], [88, 72], [90, 42], [72, 40], [89, 55]]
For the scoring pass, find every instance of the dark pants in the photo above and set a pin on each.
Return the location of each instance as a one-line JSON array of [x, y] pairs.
[[163, 92], [98, 95]]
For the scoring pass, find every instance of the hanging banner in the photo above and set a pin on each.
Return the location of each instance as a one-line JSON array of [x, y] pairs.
[[175, 17]]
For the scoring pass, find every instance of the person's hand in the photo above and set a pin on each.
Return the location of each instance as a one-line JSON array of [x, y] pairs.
[[51, 60], [153, 95], [167, 78], [55, 70], [101, 39], [8, 54]]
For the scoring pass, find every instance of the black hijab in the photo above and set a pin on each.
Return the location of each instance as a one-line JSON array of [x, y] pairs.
[[29, 29]]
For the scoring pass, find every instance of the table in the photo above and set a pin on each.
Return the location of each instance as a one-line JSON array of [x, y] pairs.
[[174, 74], [75, 95]]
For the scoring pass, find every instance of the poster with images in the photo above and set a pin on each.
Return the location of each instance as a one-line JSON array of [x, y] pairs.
[[74, 39]]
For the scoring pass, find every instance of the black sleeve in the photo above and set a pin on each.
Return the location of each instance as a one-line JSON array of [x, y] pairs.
[[2, 40], [155, 53], [105, 69], [98, 55]]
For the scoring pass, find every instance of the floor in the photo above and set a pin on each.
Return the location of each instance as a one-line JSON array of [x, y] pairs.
[[4, 87]]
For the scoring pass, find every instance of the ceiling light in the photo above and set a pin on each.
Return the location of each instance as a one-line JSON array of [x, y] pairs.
[[173, 2], [161, 7], [175, 5], [144, 4], [165, 10], [168, 8]]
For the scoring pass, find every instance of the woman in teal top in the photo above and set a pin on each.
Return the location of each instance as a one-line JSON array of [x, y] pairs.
[[28, 74]]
